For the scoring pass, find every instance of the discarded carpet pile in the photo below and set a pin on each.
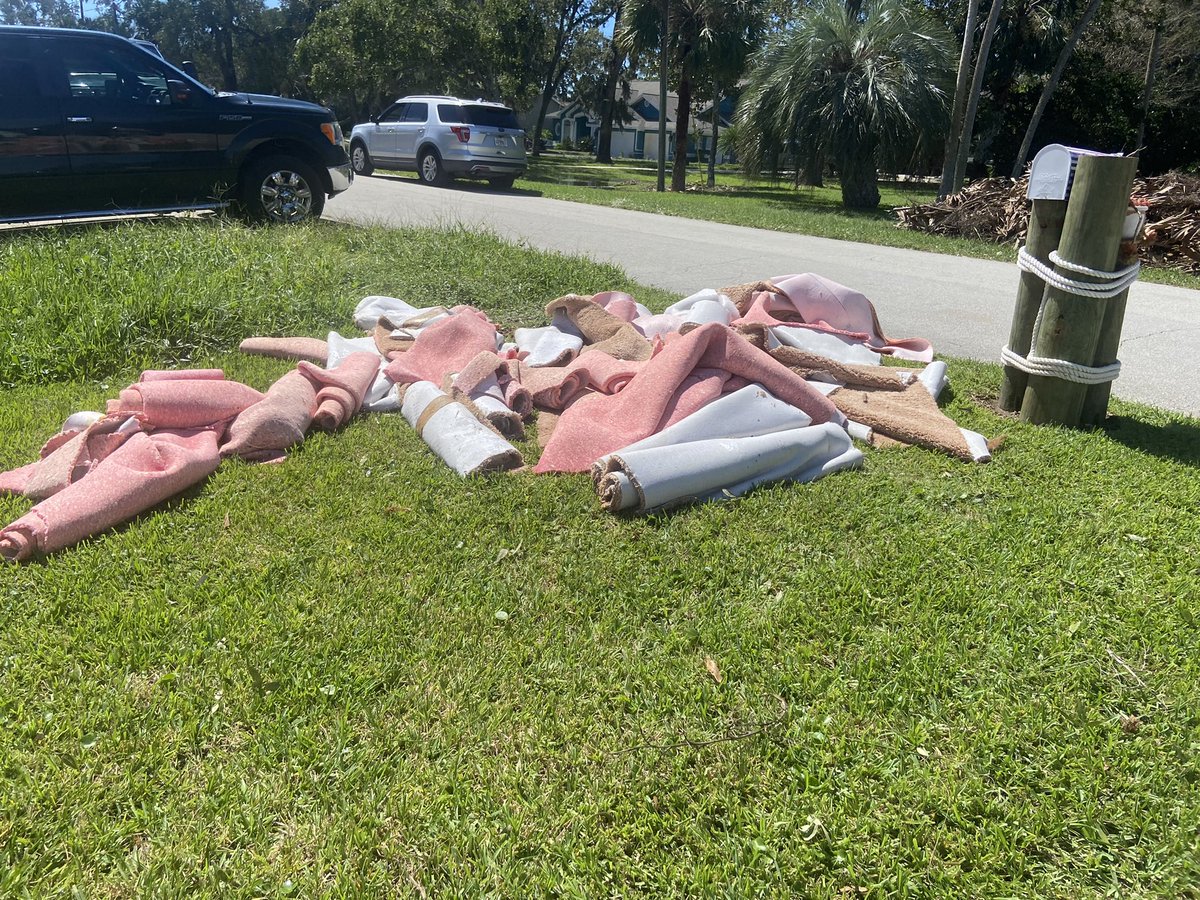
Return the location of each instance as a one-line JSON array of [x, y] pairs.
[[720, 392]]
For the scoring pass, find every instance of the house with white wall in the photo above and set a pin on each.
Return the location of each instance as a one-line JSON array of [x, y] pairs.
[[638, 138]]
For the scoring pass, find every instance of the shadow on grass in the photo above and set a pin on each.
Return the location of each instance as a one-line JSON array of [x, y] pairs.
[[1177, 439]]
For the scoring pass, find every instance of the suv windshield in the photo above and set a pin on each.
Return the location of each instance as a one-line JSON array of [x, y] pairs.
[[489, 116]]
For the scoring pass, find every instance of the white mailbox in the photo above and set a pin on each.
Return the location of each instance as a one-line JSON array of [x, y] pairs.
[[1053, 170]]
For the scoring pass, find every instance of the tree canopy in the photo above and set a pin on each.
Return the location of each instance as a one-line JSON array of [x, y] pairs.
[[853, 83]]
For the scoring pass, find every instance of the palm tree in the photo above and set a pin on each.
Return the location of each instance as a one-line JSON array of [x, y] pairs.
[[703, 35], [858, 83]]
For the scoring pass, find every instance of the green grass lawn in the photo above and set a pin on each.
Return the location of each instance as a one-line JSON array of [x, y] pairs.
[[936, 679], [760, 203]]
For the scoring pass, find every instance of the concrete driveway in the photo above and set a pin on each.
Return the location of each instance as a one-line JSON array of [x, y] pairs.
[[964, 306]]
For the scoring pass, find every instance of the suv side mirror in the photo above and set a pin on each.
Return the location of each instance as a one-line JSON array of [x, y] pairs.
[[180, 92], [189, 69]]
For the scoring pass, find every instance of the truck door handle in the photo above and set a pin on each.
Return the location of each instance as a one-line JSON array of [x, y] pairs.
[[79, 119]]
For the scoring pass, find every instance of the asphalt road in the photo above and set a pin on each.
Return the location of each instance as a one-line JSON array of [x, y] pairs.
[[964, 306]]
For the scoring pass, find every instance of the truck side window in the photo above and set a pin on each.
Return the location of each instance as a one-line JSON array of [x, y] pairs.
[[109, 74]]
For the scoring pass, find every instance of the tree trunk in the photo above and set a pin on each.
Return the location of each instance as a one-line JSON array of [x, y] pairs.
[[554, 76], [954, 135], [968, 129], [229, 79], [860, 188], [663, 61], [716, 128], [814, 167], [683, 117], [1052, 83], [547, 95], [1148, 86], [615, 58]]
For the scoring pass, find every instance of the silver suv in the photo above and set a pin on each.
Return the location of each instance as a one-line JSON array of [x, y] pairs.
[[441, 138]]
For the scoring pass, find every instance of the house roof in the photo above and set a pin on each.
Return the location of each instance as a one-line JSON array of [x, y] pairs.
[[642, 107]]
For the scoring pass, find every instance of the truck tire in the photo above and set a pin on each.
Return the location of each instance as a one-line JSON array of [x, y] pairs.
[[360, 159], [281, 189], [430, 169]]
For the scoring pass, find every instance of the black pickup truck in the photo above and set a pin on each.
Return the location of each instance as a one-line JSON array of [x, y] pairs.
[[93, 124]]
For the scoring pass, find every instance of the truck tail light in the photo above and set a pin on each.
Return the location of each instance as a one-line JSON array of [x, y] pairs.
[[462, 132]]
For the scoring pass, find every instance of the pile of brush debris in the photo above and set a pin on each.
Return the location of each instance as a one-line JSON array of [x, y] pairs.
[[995, 209]]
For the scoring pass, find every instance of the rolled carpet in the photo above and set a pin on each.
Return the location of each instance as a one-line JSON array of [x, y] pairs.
[[144, 471], [278, 421], [341, 389], [664, 477], [554, 387], [746, 412], [495, 376], [189, 403], [459, 439], [380, 396], [311, 349]]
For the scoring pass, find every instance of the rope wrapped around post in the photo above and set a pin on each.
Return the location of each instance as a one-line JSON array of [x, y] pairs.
[[1105, 285]]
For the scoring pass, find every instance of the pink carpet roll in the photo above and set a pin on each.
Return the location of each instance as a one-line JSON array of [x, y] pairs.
[[554, 387], [342, 388], [146, 470], [312, 349], [184, 404], [278, 421]]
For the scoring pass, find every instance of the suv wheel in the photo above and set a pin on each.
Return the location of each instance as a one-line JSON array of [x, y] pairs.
[[360, 159], [430, 169], [281, 189]]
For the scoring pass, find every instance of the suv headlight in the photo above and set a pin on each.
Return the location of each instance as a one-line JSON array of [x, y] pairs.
[[332, 131]]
